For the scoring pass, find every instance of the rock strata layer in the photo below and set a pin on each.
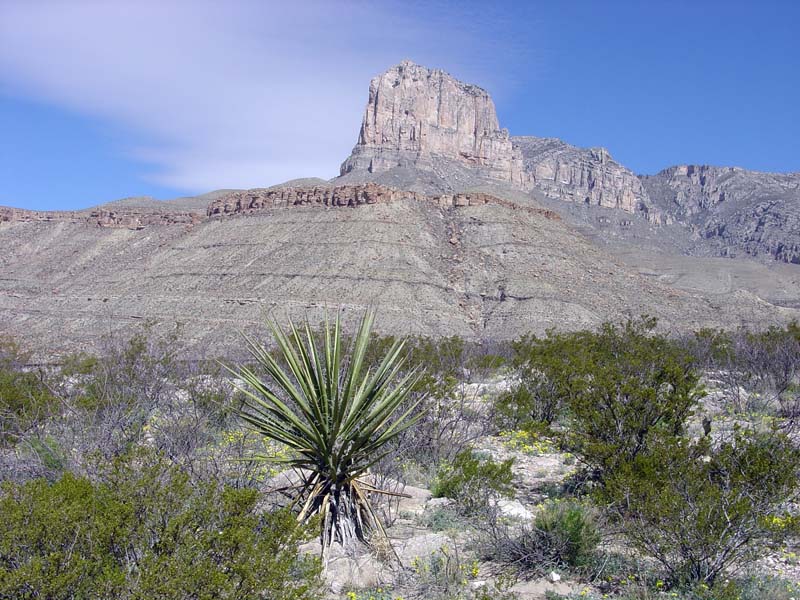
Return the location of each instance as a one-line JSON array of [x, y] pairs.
[[251, 201], [101, 218], [243, 202], [483, 270]]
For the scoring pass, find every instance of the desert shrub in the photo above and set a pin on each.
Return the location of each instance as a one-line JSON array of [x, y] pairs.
[[146, 532], [536, 398], [447, 575], [761, 587], [378, 593], [698, 509], [532, 402], [110, 398], [452, 415], [563, 535], [25, 397], [622, 387], [442, 518], [567, 532], [472, 481], [751, 588], [133, 393], [449, 418], [757, 370], [131, 372]]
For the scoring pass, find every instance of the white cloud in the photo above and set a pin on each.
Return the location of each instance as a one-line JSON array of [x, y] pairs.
[[230, 94]]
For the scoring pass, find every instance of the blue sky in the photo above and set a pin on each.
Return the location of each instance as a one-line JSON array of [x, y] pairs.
[[104, 100]]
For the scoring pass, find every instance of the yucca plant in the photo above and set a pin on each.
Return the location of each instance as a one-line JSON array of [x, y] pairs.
[[335, 415]]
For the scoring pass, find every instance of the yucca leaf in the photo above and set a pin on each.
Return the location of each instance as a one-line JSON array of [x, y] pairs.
[[335, 415]]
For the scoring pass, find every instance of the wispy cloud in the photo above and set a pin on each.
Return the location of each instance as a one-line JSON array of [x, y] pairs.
[[238, 94]]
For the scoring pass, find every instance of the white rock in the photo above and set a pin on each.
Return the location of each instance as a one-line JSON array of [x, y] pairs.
[[513, 509], [438, 503]]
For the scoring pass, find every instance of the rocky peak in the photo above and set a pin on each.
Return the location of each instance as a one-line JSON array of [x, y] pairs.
[[590, 176], [421, 119], [691, 189], [415, 114]]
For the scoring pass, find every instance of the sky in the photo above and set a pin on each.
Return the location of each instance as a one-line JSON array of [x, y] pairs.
[[106, 100]]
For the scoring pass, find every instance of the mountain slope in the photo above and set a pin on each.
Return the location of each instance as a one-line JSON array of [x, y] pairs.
[[488, 271]]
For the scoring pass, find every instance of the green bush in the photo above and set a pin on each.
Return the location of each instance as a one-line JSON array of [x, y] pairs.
[[567, 533], [622, 387], [147, 533], [698, 509], [472, 481], [533, 403], [564, 535], [24, 395]]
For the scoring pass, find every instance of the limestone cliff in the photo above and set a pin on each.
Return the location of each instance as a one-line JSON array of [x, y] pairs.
[[433, 132], [415, 115], [586, 175]]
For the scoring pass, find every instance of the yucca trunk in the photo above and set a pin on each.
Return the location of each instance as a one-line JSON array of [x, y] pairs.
[[346, 517]]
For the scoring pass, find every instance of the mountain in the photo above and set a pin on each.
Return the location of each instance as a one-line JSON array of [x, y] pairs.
[[733, 210], [439, 217]]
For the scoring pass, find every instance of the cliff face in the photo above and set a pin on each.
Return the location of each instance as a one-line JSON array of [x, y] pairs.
[[687, 190], [733, 208], [415, 114], [424, 130], [424, 120], [564, 172]]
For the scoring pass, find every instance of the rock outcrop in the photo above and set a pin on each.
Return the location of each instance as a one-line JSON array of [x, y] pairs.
[[125, 219], [415, 114], [257, 200], [733, 208], [587, 175]]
